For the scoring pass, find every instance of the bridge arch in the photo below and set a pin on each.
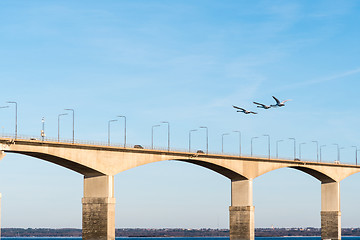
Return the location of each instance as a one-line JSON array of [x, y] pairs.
[[66, 163], [226, 172], [296, 193], [322, 177]]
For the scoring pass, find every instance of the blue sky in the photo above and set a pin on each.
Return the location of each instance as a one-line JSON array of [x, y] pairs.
[[185, 62]]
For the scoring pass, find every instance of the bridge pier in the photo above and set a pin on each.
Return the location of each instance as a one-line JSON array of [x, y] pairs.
[[242, 210], [0, 215], [98, 220], [330, 211]]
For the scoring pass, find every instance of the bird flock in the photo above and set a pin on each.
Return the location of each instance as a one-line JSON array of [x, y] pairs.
[[260, 105]]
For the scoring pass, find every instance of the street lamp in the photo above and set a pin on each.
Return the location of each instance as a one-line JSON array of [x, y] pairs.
[[190, 138], [267, 135], [317, 150], [338, 151], [239, 142], [207, 139], [124, 129], [277, 148], [356, 151], [152, 135], [252, 144], [321, 151], [168, 131], [73, 124], [110, 121], [222, 142], [43, 129], [15, 117], [300, 149], [62, 114], [294, 147]]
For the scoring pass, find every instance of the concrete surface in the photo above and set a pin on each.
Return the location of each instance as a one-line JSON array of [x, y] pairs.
[[242, 223], [99, 164], [331, 225], [98, 221]]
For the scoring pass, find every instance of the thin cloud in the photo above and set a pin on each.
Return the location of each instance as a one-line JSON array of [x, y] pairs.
[[321, 80]]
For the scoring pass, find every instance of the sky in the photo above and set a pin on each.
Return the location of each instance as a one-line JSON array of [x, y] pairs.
[[185, 62]]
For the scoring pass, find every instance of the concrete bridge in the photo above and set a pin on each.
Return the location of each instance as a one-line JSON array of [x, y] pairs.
[[99, 165]]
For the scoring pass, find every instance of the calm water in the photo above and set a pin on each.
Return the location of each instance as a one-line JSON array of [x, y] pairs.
[[197, 238]]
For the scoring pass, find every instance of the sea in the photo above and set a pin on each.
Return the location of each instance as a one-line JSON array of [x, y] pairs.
[[178, 238]]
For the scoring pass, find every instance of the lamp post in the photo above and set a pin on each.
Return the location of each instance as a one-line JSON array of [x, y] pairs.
[[168, 132], [73, 123], [43, 129], [317, 150], [152, 135], [277, 147], [222, 141], [300, 149], [294, 147], [267, 135], [239, 142], [62, 114], [15, 117], [110, 121], [338, 151], [252, 144], [194, 130], [207, 139], [356, 151], [124, 129], [321, 151]]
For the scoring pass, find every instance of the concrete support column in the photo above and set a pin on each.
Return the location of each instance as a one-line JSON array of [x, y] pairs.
[[242, 210], [98, 220], [330, 211], [0, 215]]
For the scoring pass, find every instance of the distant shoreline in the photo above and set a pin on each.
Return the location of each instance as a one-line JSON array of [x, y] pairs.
[[172, 232]]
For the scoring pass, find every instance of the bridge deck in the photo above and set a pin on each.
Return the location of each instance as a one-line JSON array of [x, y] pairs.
[[190, 155]]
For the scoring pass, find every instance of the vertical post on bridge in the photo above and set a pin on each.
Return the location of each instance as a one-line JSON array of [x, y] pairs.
[[242, 210], [98, 220], [330, 211]]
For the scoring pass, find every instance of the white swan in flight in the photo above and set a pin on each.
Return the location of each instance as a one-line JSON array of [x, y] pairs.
[[260, 105], [243, 110], [278, 103]]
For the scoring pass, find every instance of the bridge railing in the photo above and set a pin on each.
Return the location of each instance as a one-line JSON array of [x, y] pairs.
[[121, 145]]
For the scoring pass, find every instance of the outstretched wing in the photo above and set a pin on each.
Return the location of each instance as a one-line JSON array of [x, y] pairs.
[[239, 108], [253, 112], [259, 104], [277, 100], [285, 101]]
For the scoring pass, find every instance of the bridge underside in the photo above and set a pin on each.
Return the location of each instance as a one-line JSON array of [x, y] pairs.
[[76, 167], [216, 168]]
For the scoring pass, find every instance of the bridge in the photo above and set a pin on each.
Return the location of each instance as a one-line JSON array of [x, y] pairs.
[[99, 164]]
